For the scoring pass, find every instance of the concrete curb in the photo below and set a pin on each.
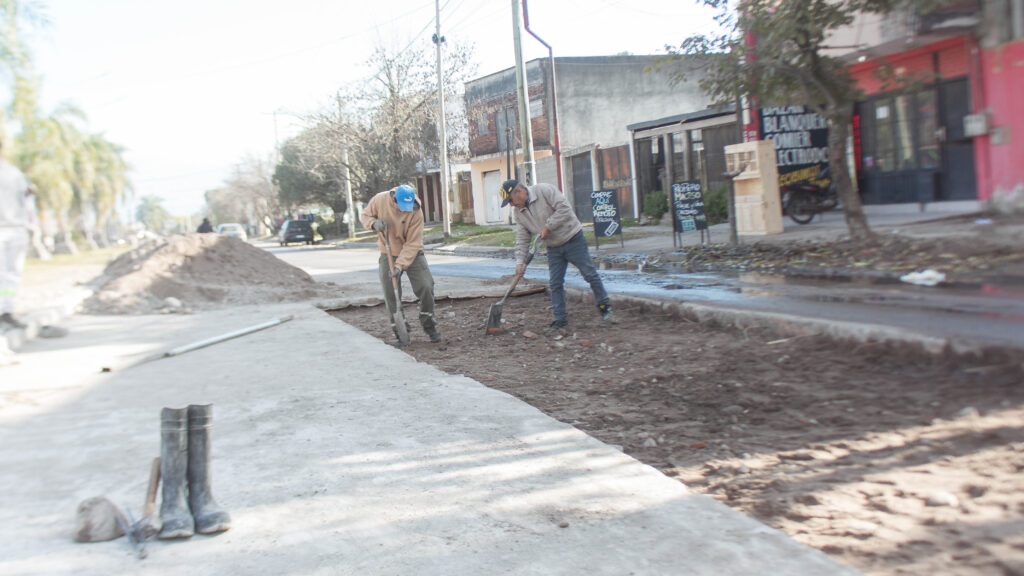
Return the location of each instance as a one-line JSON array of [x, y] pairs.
[[471, 251]]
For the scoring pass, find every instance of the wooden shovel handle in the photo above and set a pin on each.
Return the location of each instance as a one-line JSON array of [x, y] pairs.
[[154, 483], [391, 259]]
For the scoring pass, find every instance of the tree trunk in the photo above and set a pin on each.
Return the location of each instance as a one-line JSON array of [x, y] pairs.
[[838, 132], [101, 226], [64, 233]]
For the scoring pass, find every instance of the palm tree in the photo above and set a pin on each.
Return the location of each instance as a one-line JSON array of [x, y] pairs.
[[46, 154], [110, 184], [80, 177], [152, 213]]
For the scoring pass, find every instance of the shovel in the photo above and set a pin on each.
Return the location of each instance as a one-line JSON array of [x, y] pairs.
[[494, 316], [398, 317]]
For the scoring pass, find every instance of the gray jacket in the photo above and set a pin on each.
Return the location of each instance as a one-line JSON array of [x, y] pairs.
[[546, 207]]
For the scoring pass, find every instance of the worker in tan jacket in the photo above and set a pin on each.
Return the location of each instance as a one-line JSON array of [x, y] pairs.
[[543, 210], [400, 209]]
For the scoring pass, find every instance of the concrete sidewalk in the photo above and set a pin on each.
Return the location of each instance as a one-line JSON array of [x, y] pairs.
[[338, 454]]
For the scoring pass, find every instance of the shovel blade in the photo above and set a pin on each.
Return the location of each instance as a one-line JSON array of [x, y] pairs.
[[494, 318], [401, 329]]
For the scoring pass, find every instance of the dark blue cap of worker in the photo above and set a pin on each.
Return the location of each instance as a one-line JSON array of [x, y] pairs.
[[405, 196], [506, 190]]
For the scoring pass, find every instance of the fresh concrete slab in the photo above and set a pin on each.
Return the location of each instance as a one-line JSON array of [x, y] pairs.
[[338, 454]]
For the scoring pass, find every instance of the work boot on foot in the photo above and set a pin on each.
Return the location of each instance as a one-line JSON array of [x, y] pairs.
[[559, 326], [606, 313], [9, 319], [433, 334]]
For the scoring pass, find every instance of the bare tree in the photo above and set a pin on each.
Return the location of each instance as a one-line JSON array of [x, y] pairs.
[[249, 197], [387, 125]]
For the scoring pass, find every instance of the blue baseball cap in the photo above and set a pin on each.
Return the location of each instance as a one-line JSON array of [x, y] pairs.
[[405, 196]]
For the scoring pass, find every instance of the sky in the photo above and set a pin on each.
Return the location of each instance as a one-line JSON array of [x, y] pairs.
[[192, 88]]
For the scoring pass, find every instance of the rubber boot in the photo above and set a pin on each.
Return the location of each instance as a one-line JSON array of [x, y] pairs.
[[174, 511], [209, 516]]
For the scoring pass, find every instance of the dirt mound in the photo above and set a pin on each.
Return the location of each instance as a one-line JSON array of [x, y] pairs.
[[201, 271]]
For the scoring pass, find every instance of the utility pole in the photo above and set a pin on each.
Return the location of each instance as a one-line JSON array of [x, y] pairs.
[[526, 131], [351, 210], [554, 98], [446, 219]]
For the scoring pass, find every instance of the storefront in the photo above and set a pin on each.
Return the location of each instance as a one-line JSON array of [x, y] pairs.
[[911, 146]]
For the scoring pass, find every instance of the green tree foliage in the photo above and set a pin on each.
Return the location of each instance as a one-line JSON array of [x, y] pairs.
[[655, 205], [308, 174], [789, 63], [152, 213]]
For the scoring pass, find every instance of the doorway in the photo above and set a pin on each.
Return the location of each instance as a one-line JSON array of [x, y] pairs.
[[582, 186], [492, 199], [914, 148]]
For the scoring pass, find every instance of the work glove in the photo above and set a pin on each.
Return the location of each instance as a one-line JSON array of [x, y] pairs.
[[396, 272], [380, 225]]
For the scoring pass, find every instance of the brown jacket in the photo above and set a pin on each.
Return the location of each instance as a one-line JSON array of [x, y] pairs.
[[405, 229]]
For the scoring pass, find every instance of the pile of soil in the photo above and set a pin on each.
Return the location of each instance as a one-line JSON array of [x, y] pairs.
[[888, 460], [197, 272]]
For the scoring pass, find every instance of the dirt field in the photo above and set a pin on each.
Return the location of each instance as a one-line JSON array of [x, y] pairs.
[[892, 463]]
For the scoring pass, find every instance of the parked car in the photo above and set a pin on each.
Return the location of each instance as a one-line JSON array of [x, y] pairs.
[[235, 230], [295, 231]]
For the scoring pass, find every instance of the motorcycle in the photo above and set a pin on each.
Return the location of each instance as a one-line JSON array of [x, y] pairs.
[[801, 201]]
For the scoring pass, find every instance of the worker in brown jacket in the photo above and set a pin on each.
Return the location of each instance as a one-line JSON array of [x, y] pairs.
[[400, 209]]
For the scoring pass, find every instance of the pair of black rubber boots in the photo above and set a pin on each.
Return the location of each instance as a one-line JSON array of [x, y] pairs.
[[188, 506]]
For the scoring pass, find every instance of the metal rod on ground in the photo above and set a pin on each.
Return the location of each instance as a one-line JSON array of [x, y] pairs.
[[208, 342], [230, 335]]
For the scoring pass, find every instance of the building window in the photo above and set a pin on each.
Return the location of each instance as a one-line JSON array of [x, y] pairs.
[[885, 147], [927, 135], [696, 154], [679, 156], [901, 133], [536, 108], [482, 128], [904, 133]]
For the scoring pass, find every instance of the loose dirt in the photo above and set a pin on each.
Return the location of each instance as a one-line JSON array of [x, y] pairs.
[[198, 272], [888, 460]]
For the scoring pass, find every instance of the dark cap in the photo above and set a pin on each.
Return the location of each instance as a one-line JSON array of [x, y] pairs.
[[507, 187]]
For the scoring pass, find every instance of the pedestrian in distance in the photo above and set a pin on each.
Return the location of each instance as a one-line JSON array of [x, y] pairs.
[[14, 235], [205, 227], [398, 213], [542, 209]]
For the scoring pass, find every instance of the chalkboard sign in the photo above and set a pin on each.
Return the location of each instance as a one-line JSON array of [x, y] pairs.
[[688, 207], [607, 221]]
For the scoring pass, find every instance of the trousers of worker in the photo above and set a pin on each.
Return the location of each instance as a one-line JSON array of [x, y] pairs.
[[13, 244]]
